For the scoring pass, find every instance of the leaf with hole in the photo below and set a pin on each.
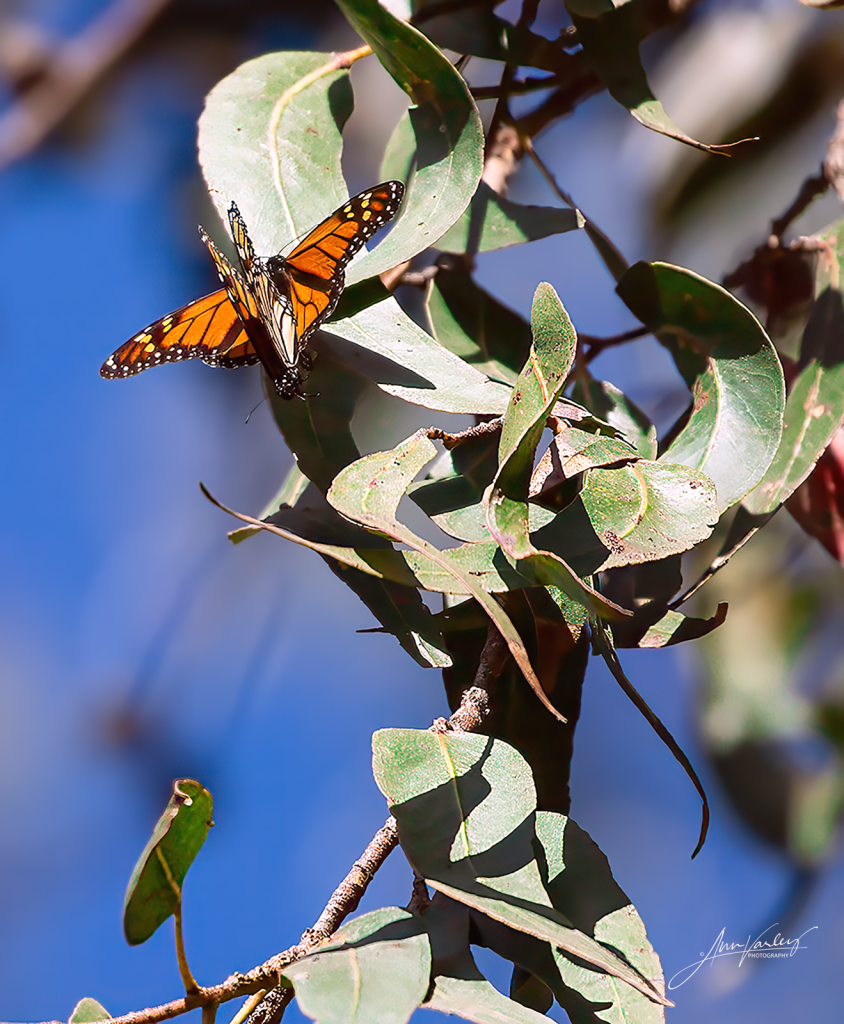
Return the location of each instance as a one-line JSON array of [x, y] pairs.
[[155, 888]]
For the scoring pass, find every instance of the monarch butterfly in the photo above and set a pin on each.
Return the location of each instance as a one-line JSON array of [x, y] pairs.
[[267, 314]]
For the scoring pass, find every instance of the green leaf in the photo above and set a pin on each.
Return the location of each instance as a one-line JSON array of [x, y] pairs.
[[465, 807], [414, 366], [447, 129], [319, 431], [610, 404], [635, 513], [474, 325], [494, 222], [572, 452], [815, 406], [580, 884], [533, 397], [458, 986], [87, 1011], [401, 611], [376, 968], [294, 486], [735, 425], [155, 888], [270, 139], [610, 43], [369, 491], [476, 999], [676, 628]]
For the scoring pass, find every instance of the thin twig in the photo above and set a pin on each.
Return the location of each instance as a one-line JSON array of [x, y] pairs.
[[812, 187], [597, 345], [470, 433]]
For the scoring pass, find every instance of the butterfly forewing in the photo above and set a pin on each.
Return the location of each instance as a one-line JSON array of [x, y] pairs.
[[209, 328]]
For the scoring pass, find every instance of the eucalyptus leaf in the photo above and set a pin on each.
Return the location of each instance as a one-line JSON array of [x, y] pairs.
[[632, 513], [87, 1011], [446, 126], [533, 397], [155, 888], [495, 222], [474, 325], [376, 968], [612, 405], [465, 808], [815, 406], [610, 37], [725, 355], [416, 367]]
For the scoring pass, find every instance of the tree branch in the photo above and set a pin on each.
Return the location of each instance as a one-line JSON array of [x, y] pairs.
[[77, 66]]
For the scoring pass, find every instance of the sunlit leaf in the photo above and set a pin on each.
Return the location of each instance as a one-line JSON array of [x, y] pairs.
[[155, 888], [446, 126], [737, 383], [465, 810], [87, 1011], [376, 968]]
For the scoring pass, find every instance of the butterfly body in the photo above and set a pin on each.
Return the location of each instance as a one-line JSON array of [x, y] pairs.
[[267, 311]]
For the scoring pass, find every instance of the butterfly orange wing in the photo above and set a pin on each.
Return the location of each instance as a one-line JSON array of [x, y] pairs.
[[316, 266], [209, 328]]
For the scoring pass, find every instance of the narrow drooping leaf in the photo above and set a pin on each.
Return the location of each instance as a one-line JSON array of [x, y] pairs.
[[446, 126], [494, 222], [725, 356], [610, 42], [155, 888], [465, 810], [604, 646], [87, 1011], [376, 968], [534, 396]]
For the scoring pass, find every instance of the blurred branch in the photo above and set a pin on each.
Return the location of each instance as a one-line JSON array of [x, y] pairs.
[[811, 188], [75, 68], [833, 165]]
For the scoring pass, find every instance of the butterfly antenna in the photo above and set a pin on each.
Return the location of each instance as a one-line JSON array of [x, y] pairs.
[[249, 417]]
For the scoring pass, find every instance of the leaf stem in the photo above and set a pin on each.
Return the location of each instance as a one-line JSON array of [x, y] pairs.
[[188, 980]]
